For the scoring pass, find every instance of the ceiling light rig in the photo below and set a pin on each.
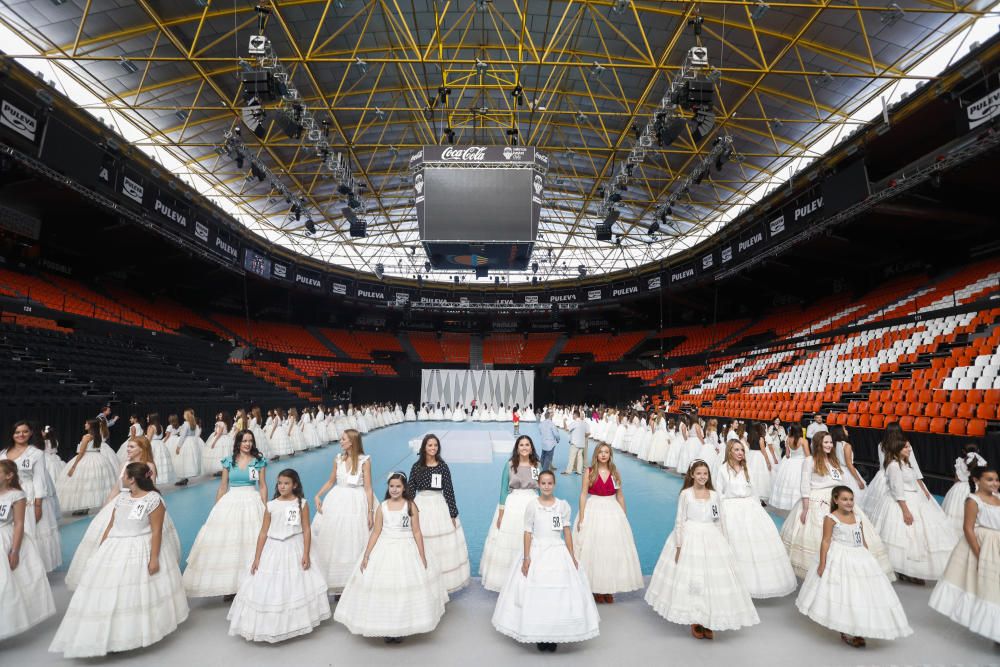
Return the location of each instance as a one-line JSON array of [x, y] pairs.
[[267, 78]]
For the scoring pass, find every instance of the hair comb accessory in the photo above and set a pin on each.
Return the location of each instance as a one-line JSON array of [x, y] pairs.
[[394, 473], [149, 474]]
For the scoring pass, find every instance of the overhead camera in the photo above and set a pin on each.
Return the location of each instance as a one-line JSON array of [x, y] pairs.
[[698, 56]]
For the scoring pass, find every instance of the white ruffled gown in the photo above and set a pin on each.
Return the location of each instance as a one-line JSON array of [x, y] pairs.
[[36, 482], [216, 449], [785, 483], [340, 531], [25, 596], [90, 483], [604, 545], [954, 500]]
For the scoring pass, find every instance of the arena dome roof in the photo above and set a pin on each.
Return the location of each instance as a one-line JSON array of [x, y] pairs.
[[791, 80]]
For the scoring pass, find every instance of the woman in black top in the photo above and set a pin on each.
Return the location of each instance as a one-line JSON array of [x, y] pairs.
[[444, 539]]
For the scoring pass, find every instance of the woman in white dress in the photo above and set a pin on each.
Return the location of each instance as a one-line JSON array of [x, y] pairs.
[[845, 455], [345, 516], [761, 558], [969, 591], [423, 415], [787, 481], [107, 452], [161, 455], [138, 450], [645, 438], [255, 422], [431, 488], [658, 445], [915, 530], [85, 482], [134, 429], [802, 531], [878, 489], [954, 500], [25, 597], [605, 547], [505, 539], [225, 543], [42, 516], [185, 448], [130, 595], [528, 414], [410, 415], [458, 415], [218, 446], [695, 581], [293, 432], [675, 444], [760, 463], [437, 414], [50, 443], [846, 589], [712, 449], [396, 590], [547, 600], [281, 444], [283, 595], [309, 433], [693, 436], [621, 433]]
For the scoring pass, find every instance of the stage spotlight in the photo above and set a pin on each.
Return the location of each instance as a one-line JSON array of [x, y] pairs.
[[534, 267], [427, 266], [450, 135], [518, 94], [619, 6], [455, 278], [481, 66], [512, 136], [296, 212], [704, 121], [667, 129], [310, 227], [596, 70], [615, 197], [379, 114], [443, 93], [654, 226], [239, 160], [725, 156], [581, 117], [698, 176], [362, 65], [695, 23]]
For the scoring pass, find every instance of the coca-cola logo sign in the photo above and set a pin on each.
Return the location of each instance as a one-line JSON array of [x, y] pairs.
[[470, 154]]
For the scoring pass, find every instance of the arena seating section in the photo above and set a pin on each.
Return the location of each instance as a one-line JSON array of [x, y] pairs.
[[447, 348], [603, 347], [531, 349]]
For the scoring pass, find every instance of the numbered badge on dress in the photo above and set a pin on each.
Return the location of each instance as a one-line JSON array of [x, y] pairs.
[[715, 511], [534, 473], [557, 522], [254, 474], [436, 480], [138, 511], [26, 463], [835, 475], [4, 511], [858, 540], [406, 521], [292, 516]]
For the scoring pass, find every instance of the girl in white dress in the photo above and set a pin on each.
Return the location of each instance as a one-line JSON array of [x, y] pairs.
[[696, 582], [712, 449], [954, 500], [185, 450], [293, 432], [161, 455], [458, 415], [130, 594], [218, 446], [761, 558], [878, 488], [604, 546], [226, 541], [395, 591], [776, 434], [25, 596], [138, 450], [846, 590], [431, 488], [845, 455], [134, 429], [645, 438], [505, 539], [787, 481], [255, 422], [345, 517], [546, 599], [675, 443], [50, 443], [283, 595], [281, 444], [423, 414], [85, 482], [694, 436], [802, 531], [309, 433], [969, 590], [915, 530], [42, 517], [658, 445], [438, 413], [108, 454], [761, 461]]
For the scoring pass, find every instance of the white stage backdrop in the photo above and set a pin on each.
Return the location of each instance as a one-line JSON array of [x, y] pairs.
[[450, 386]]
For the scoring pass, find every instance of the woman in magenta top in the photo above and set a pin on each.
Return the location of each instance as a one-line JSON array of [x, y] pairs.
[[604, 546]]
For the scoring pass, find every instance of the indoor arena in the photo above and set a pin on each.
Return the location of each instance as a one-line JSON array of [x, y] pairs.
[[364, 332]]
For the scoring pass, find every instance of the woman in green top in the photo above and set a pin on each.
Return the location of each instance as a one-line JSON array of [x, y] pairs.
[[505, 541]]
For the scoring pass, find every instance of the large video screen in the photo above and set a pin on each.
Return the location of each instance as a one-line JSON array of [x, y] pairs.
[[477, 205]]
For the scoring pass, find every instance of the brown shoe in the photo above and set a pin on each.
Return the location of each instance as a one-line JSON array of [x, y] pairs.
[[708, 633], [697, 632], [610, 599], [598, 598]]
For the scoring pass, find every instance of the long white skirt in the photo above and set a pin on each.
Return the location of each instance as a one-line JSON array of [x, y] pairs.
[[703, 586], [396, 596], [504, 546], [164, 463], [688, 452], [45, 533], [803, 540], [954, 503], [969, 590], [876, 491], [785, 491], [225, 545], [921, 549], [605, 548], [853, 596], [187, 463], [53, 462], [211, 457], [89, 486], [92, 540], [25, 596], [281, 600], [760, 475], [444, 542], [552, 604], [263, 443], [761, 559], [281, 445], [118, 606], [658, 448], [340, 533], [673, 454]]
